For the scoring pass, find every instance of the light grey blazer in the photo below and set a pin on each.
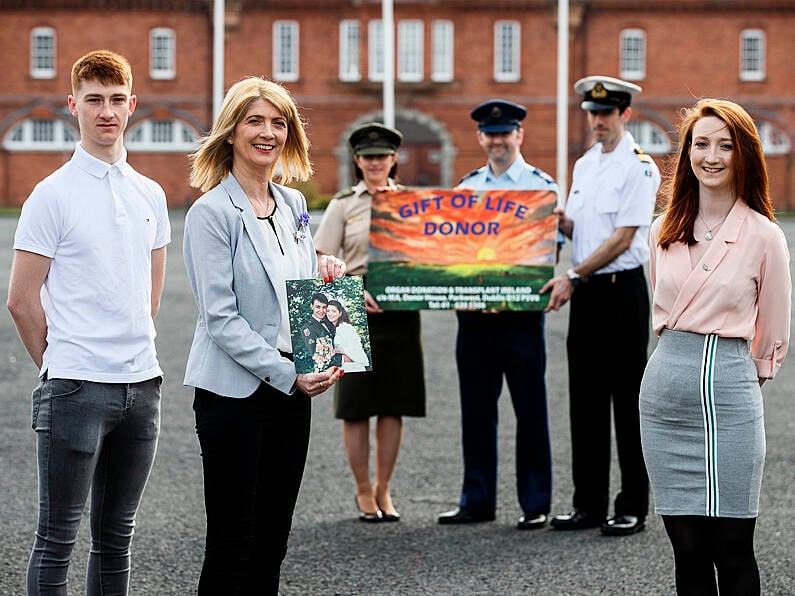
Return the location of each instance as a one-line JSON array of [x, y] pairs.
[[227, 261]]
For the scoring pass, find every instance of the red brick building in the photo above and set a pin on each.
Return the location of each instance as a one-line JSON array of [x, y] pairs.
[[449, 56]]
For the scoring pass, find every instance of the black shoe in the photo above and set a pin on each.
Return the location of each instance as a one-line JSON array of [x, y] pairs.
[[576, 520], [622, 525], [465, 516], [532, 521], [390, 517], [365, 516]]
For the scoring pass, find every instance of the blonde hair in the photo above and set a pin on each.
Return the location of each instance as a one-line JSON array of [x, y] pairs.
[[109, 68], [213, 160]]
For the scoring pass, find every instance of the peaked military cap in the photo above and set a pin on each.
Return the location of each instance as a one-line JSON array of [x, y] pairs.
[[605, 93], [498, 115], [373, 138]]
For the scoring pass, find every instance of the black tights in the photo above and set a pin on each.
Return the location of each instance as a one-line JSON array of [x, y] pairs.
[[703, 544]]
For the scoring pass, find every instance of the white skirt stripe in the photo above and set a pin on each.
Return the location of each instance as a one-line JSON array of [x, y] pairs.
[[710, 426]]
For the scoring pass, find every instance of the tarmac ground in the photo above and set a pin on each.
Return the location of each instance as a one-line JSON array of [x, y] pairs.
[[330, 551]]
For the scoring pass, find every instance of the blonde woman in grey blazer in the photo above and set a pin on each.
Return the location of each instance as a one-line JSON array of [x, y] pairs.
[[243, 239]]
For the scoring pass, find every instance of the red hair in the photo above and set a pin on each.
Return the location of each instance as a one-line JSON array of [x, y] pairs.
[[748, 170]]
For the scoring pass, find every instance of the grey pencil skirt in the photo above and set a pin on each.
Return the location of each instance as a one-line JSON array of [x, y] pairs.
[[702, 426]]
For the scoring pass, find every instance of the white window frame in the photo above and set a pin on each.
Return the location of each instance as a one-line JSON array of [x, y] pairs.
[[507, 51], [285, 50], [42, 62], [410, 50], [753, 59], [650, 137], [375, 50], [143, 137], [162, 53], [350, 43], [64, 136], [774, 140], [442, 42], [633, 55]]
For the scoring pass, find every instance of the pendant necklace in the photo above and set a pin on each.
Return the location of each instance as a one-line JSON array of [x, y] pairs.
[[709, 235]]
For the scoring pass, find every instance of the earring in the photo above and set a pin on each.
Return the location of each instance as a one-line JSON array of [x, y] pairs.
[[229, 140]]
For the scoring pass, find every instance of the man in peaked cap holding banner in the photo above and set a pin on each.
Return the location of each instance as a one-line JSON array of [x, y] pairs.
[[511, 344], [607, 217]]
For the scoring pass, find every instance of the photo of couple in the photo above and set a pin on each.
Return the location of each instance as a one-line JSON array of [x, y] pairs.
[[334, 332]]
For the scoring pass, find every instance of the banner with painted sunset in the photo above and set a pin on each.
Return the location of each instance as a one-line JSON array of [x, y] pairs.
[[461, 250]]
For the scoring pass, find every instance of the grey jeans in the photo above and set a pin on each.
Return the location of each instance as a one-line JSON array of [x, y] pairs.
[[97, 437]]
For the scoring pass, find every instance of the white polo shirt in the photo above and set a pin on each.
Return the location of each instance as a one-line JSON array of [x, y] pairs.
[[99, 223], [609, 191]]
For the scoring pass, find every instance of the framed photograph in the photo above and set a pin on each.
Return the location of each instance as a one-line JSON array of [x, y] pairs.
[[462, 250], [328, 325]]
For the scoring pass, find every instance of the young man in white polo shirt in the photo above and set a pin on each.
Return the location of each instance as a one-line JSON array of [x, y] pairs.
[[89, 264]]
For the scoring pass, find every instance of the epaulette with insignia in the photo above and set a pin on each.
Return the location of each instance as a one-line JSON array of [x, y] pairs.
[[347, 192], [543, 175], [472, 173], [642, 155]]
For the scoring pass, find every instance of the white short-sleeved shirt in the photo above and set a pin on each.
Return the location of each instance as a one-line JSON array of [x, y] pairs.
[[609, 191], [99, 223]]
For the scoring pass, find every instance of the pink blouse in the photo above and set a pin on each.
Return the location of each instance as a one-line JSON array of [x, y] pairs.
[[741, 287]]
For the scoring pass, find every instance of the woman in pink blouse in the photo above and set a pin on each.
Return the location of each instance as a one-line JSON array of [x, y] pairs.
[[722, 295]]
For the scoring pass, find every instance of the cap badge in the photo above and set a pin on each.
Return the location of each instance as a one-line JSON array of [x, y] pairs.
[[373, 135], [599, 92], [496, 112]]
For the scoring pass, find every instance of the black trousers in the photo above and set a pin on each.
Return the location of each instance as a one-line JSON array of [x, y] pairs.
[[253, 455], [607, 348]]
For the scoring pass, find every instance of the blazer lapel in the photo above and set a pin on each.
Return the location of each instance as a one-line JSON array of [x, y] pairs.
[[288, 207], [250, 221]]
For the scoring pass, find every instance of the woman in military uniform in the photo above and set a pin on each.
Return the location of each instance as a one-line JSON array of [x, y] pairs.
[[394, 335]]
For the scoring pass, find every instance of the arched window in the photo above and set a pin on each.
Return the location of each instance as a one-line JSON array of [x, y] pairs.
[[41, 134], [651, 138], [156, 135], [774, 140]]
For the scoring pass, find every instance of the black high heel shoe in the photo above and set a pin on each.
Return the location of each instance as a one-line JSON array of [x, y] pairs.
[[388, 517], [364, 516]]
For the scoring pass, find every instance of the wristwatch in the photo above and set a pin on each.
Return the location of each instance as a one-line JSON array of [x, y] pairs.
[[574, 277]]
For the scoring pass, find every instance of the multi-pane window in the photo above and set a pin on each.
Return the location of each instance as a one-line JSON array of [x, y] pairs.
[[410, 50], [507, 47], [752, 55], [633, 54], [774, 140], [162, 53], [375, 50], [442, 42], [161, 135], [42, 53], [651, 138], [285, 50], [350, 34], [41, 134]]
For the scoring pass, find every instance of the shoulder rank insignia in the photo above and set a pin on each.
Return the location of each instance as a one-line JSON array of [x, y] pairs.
[[472, 173], [543, 175], [344, 193], [642, 155]]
